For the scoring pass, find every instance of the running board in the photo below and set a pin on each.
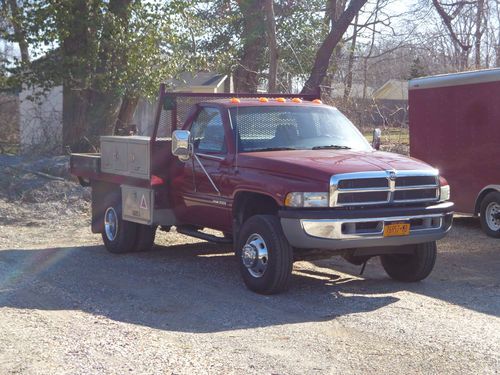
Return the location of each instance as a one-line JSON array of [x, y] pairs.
[[203, 236]]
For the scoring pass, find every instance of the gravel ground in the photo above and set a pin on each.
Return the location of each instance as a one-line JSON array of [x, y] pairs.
[[69, 307]]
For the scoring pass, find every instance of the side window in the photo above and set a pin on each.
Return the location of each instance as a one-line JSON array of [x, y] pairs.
[[207, 132]]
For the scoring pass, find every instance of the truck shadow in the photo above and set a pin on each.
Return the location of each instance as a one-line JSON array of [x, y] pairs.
[[197, 287], [467, 271], [188, 288]]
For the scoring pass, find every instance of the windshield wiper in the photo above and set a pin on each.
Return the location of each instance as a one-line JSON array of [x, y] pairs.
[[275, 149], [332, 147]]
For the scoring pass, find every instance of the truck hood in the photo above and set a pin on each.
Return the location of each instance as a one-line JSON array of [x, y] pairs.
[[321, 164]]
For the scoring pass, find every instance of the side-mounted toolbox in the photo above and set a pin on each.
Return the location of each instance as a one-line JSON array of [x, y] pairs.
[[126, 156]]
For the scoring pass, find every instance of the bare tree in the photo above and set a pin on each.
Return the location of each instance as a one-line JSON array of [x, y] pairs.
[[16, 18], [273, 45], [479, 32], [350, 65], [324, 54], [254, 38], [465, 22], [497, 46]]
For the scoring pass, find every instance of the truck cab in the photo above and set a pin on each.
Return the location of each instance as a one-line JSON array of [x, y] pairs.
[[278, 176]]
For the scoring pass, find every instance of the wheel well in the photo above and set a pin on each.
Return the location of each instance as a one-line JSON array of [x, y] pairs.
[[103, 193], [481, 196], [247, 204]]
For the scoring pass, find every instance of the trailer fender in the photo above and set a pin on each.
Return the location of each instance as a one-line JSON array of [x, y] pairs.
[[482, 194]]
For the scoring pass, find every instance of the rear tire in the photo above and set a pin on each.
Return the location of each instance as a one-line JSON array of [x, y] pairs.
[[411, 267], [145, 237], [264, 255], [119, 236], [122, 236], [490, 209]]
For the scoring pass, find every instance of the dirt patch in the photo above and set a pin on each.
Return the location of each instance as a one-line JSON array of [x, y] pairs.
[[33, 192], [67, 306]]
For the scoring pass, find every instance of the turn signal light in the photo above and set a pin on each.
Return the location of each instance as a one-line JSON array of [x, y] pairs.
[[281, 100], [297, 100], [263, 100], [235, 100], [317, 101]]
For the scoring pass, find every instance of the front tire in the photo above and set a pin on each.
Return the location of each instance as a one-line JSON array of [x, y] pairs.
[[411, 267], [490, 214], [264, 255]]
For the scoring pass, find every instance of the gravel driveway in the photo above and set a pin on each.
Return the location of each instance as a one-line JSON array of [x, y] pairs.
[[69, 307]]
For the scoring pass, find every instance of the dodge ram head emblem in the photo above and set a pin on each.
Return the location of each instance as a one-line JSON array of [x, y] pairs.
[[392, 175]]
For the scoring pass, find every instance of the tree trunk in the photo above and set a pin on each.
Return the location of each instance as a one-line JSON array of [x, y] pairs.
[[75, 48], [246, 77], [126, 113], [102, 114], [324, 54], [90, 110], [479, 33], [273, 45], [461, 49], [350, 64], [370, 51], [19, 33], [74, 118]]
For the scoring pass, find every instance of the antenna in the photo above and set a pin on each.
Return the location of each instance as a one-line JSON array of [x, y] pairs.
[[235, 140]]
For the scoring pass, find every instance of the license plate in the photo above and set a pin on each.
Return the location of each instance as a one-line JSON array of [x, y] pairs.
[[396, 229]]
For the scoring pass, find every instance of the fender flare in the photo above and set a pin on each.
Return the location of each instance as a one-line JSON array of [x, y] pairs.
[[482, 194]]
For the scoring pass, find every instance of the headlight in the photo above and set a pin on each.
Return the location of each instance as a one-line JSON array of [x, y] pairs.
[[444, 193], [299, 199]]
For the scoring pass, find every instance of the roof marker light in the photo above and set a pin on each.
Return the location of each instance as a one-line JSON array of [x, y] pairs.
[[317, 101], [297, 100], [263, 100], [235, 100], [281, 100]]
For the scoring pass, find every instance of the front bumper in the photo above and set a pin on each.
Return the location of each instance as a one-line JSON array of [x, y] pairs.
[[347, 229]]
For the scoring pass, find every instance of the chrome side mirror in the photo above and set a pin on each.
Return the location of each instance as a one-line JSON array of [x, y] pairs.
[[181, 146], [377, 135]]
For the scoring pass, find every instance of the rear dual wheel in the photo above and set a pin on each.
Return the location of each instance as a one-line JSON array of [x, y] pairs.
[[121, 236]]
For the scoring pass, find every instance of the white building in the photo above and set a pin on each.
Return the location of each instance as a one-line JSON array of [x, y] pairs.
[[40, 121]]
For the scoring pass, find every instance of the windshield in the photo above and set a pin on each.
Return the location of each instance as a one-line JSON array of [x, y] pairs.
[[263, 128]]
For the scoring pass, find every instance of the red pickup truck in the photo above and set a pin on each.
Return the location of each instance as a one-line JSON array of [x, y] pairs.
[[277, 176]]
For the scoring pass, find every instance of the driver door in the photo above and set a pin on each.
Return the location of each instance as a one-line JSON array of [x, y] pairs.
[[204, 201]]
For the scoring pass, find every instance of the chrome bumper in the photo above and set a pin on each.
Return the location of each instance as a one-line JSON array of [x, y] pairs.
[[358, 232], [369, 228]]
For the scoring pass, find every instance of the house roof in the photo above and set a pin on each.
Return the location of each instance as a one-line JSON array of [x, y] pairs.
[[199, 79], [393, 89], [355, 92]]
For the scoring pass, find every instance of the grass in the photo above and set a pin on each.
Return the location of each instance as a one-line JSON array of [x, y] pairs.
[[9, 148], [390, 136]]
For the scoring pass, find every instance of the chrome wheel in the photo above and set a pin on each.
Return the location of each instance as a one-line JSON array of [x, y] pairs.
[[492, 216], [255, 256], [111, 223]]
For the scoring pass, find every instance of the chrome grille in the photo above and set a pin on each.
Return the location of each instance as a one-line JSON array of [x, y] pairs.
[[384, 187]]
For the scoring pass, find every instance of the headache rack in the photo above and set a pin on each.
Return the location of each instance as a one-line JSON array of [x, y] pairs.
[[384, 187], [173, 107]]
